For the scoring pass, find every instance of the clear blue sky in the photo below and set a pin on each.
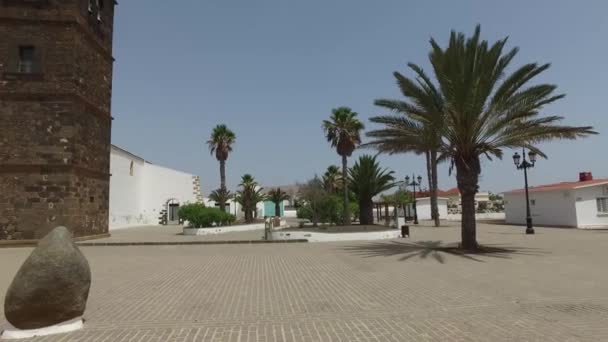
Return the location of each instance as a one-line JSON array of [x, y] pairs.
[[272, 70]]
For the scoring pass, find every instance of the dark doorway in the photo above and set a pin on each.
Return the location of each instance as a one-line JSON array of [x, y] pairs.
[[173, 213]]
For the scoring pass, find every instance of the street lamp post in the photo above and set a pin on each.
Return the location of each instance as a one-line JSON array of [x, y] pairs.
[[414, 184], [525, 165]]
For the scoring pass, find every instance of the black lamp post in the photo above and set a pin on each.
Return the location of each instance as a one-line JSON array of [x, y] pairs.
[[525, 165], [414, 184]]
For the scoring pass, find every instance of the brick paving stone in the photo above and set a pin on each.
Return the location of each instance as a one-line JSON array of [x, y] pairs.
[[548, 287]]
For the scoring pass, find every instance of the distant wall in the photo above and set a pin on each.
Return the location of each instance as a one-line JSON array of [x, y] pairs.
[[291, 213]]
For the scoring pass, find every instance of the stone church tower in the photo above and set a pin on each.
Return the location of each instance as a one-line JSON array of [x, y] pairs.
[[55, 122]]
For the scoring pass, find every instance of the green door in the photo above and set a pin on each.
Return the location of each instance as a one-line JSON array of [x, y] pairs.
[[269, 209]]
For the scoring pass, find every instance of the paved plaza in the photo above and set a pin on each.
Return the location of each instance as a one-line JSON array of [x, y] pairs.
[[552, 286]]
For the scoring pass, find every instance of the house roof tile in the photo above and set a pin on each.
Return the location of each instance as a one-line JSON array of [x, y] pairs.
[[562, 186]]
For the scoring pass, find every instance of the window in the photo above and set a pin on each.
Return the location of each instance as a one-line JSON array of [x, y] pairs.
[[27, 57], [99, 9], [602, 205], [99, 6]]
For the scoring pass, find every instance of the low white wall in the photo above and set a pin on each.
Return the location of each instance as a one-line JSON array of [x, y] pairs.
[[228, 229], [478, 216], [327, 237], [222, 230]]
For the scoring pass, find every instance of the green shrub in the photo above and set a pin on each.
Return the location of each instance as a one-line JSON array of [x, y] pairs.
[[328, 210], [331, 210], [304, 212], [199, 216]]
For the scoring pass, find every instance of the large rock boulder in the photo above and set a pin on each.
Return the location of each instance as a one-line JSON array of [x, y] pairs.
[[52, 286]]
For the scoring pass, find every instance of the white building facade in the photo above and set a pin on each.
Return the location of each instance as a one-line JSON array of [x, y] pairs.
[[142, 193], [582, 204]]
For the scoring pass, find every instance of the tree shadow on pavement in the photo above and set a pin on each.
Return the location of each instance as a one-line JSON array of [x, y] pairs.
[[436, 250]]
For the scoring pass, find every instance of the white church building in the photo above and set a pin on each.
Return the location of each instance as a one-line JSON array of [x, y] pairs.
[[142, 193]]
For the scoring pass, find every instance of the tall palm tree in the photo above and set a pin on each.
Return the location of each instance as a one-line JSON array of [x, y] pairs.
[[277, 196], [332, 180], [366, 180], [249, 196], [220, 143], [343, 131], [416, 127], [487, 110]]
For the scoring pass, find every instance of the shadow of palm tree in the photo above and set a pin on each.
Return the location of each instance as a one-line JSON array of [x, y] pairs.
[[436, 250]]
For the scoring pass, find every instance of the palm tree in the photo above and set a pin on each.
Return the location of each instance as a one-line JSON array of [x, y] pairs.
[[486, 110], [366, 180], [220, 143], [220, 196], [277, 196], [332, 180], [249, 196], [416, 127], [343, 131]]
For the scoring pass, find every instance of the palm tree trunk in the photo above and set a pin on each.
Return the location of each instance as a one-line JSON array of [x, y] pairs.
[[429, 172], [467, 176], [366, 212], [346, 220], [249, 216], [315, 216], [223, 182], [277, 209], [434, 187]]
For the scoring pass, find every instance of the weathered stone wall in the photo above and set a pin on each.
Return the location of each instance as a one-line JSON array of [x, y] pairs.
[[55, 122], [33, 203]]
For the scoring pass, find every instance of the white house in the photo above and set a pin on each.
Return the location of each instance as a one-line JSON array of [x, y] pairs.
[[454, 200], [423, 208], [582, 204], [142, 193]]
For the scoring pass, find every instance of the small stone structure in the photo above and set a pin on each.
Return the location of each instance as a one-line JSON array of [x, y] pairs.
[[50, 289]]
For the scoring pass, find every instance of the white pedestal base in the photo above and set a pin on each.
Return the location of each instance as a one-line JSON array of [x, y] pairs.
[[12, 333]]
